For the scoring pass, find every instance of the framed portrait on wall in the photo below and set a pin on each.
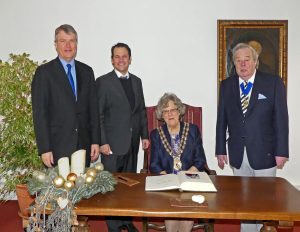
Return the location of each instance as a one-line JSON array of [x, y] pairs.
[[267, 37]]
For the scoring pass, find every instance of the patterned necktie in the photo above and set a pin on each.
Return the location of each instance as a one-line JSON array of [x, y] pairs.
[[70, 77], [244, 98]]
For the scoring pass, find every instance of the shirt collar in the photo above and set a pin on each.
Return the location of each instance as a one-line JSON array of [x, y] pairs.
[[120, 75], [64, 63], [251, 79]]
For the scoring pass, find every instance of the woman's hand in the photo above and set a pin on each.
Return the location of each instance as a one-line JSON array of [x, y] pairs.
[[193, 169]]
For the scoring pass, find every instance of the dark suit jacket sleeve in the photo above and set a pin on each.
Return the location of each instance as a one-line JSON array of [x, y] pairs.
[[93, 108], [39, 93], [221, 124], [143, 116], [281, 120], [101, 102], [156, 153]]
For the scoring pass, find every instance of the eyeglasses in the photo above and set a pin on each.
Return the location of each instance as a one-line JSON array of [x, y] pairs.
[[171, 111]]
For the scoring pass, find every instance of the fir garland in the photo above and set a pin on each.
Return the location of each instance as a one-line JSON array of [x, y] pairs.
[[62, 200]]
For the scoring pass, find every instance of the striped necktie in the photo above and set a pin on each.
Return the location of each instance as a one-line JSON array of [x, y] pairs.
[[245, 99]]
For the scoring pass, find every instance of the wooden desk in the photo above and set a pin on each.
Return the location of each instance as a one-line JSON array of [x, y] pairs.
[[251, 198]]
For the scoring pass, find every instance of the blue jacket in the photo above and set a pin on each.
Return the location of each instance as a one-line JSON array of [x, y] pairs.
[[264, 131], [193, 153]]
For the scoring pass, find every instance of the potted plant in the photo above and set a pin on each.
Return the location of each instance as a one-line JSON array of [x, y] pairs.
[[18, 151]]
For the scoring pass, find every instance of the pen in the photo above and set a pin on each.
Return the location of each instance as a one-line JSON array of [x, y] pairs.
[[122, 178]]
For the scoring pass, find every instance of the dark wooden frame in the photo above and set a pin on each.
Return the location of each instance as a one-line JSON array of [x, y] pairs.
[[271, 34]]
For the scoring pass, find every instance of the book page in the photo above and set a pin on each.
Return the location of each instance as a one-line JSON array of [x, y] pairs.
[[162, 182], [196, 181]]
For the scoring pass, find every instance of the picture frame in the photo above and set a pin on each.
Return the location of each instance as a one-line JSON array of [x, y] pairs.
[[268, 37]]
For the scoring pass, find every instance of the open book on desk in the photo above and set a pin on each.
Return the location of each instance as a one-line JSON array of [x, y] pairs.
[[184, 180]]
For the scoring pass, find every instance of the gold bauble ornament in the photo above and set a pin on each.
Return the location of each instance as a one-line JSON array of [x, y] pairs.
[[58, 181], [91, 172], [71, 176], [99, 167], [89, 179], [69, 185]]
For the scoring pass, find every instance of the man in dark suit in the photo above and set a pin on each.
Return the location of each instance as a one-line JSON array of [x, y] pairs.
[[123, 120], [64, 103], [253, 109]]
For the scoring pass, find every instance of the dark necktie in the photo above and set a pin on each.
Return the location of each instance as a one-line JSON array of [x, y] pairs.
[[70, 77], [244, 97]]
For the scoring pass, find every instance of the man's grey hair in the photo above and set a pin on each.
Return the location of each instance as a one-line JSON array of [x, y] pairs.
[[163, 103], [68, 29], [242, 46]]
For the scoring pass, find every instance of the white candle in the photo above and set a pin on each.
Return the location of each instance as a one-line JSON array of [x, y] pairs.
[[64, 167], [78, 162]]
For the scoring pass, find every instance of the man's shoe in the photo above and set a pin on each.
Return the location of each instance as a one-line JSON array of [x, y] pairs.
[[130, 227]]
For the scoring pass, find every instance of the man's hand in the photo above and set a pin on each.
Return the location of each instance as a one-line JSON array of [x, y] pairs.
[[47, 159], [95, 150], [145, 143], [105, 149], [222, 160], [280, 161]]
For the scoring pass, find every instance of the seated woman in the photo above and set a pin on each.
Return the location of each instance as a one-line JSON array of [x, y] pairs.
[[175, 146]]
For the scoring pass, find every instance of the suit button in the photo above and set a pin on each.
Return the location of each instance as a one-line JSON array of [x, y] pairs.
[[243, 137], [76, 129]]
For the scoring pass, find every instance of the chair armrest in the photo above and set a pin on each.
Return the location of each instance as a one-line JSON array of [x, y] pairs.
[[209, 171], [145, 163], [143, 170]]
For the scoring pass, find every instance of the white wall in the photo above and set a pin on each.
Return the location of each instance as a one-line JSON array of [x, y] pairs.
[[174, 46]]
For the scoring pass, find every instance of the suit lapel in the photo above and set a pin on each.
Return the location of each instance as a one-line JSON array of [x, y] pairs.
[[79, 79], [254, 93], [236, 93], [135, 92]]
